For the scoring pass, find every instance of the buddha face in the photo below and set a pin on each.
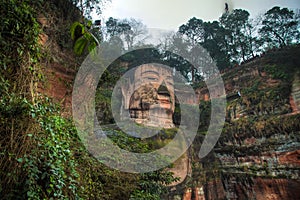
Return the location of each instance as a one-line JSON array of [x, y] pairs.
[[152, 101]]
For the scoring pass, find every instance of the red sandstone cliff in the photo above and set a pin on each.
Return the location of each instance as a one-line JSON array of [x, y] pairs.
[[257, 155]]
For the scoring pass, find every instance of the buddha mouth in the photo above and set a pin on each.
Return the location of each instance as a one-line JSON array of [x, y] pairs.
[[165, 101]]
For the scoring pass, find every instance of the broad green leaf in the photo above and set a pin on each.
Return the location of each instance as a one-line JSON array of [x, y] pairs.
[[80, 45], [75, 27]]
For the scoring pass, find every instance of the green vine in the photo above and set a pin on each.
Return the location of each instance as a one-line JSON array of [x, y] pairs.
[[51, 165]]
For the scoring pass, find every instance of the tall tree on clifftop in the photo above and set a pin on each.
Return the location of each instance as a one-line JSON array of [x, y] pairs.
[[193, 29], [279, 27], [211, 36], [240, 39], [216, 44]]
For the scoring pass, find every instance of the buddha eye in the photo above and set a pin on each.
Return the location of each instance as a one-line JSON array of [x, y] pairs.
[[152, 79]]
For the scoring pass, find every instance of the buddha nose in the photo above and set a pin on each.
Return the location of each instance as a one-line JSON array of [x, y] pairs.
[[163, 90]]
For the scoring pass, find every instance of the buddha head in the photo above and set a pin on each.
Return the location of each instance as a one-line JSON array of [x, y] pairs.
[[152, 100]]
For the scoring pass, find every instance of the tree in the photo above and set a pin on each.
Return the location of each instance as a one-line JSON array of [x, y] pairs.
[[180, 47], [297, 17], [130, 32], [211, 36], [239, 38], [194, 30], [279, 27], [215, 43], [191, 60], [136, 35], [255, 41], [116, 27], [88, 6]]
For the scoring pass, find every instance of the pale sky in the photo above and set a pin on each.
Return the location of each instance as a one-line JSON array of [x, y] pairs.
[[170, 14]]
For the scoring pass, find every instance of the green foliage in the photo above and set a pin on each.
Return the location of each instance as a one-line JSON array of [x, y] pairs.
[[283, 64], [83, 38], [134, 144], [205, 112], [14, 109], [103, 106], [278, 72], [51, 165], [229, 40], [115, 30], [260, 126], [76, 28], [234, 37], [153, 185], [150, 185], [216, 44], [239, 34], [125, 33], [88, 6], [18, 33], [41, 156], [116, 27], [280, 28], [19, 55], [11, 104], [47, 166], [194, 29], [259, 101], [36, 153]]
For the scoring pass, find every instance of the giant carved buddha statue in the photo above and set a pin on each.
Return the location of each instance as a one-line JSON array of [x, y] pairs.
[[149, 97]]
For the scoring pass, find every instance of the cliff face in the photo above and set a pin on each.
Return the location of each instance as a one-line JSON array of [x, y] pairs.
[[59, 63], [258, 153]]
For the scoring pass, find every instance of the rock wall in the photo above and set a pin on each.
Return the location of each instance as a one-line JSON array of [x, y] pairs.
[[295, 95], [257, 155], [59, 63]]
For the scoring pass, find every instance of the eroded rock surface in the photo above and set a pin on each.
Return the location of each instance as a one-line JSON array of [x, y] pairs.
[[257, 155]]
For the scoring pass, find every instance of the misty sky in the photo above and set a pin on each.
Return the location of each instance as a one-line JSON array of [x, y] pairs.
[[170, 14]]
